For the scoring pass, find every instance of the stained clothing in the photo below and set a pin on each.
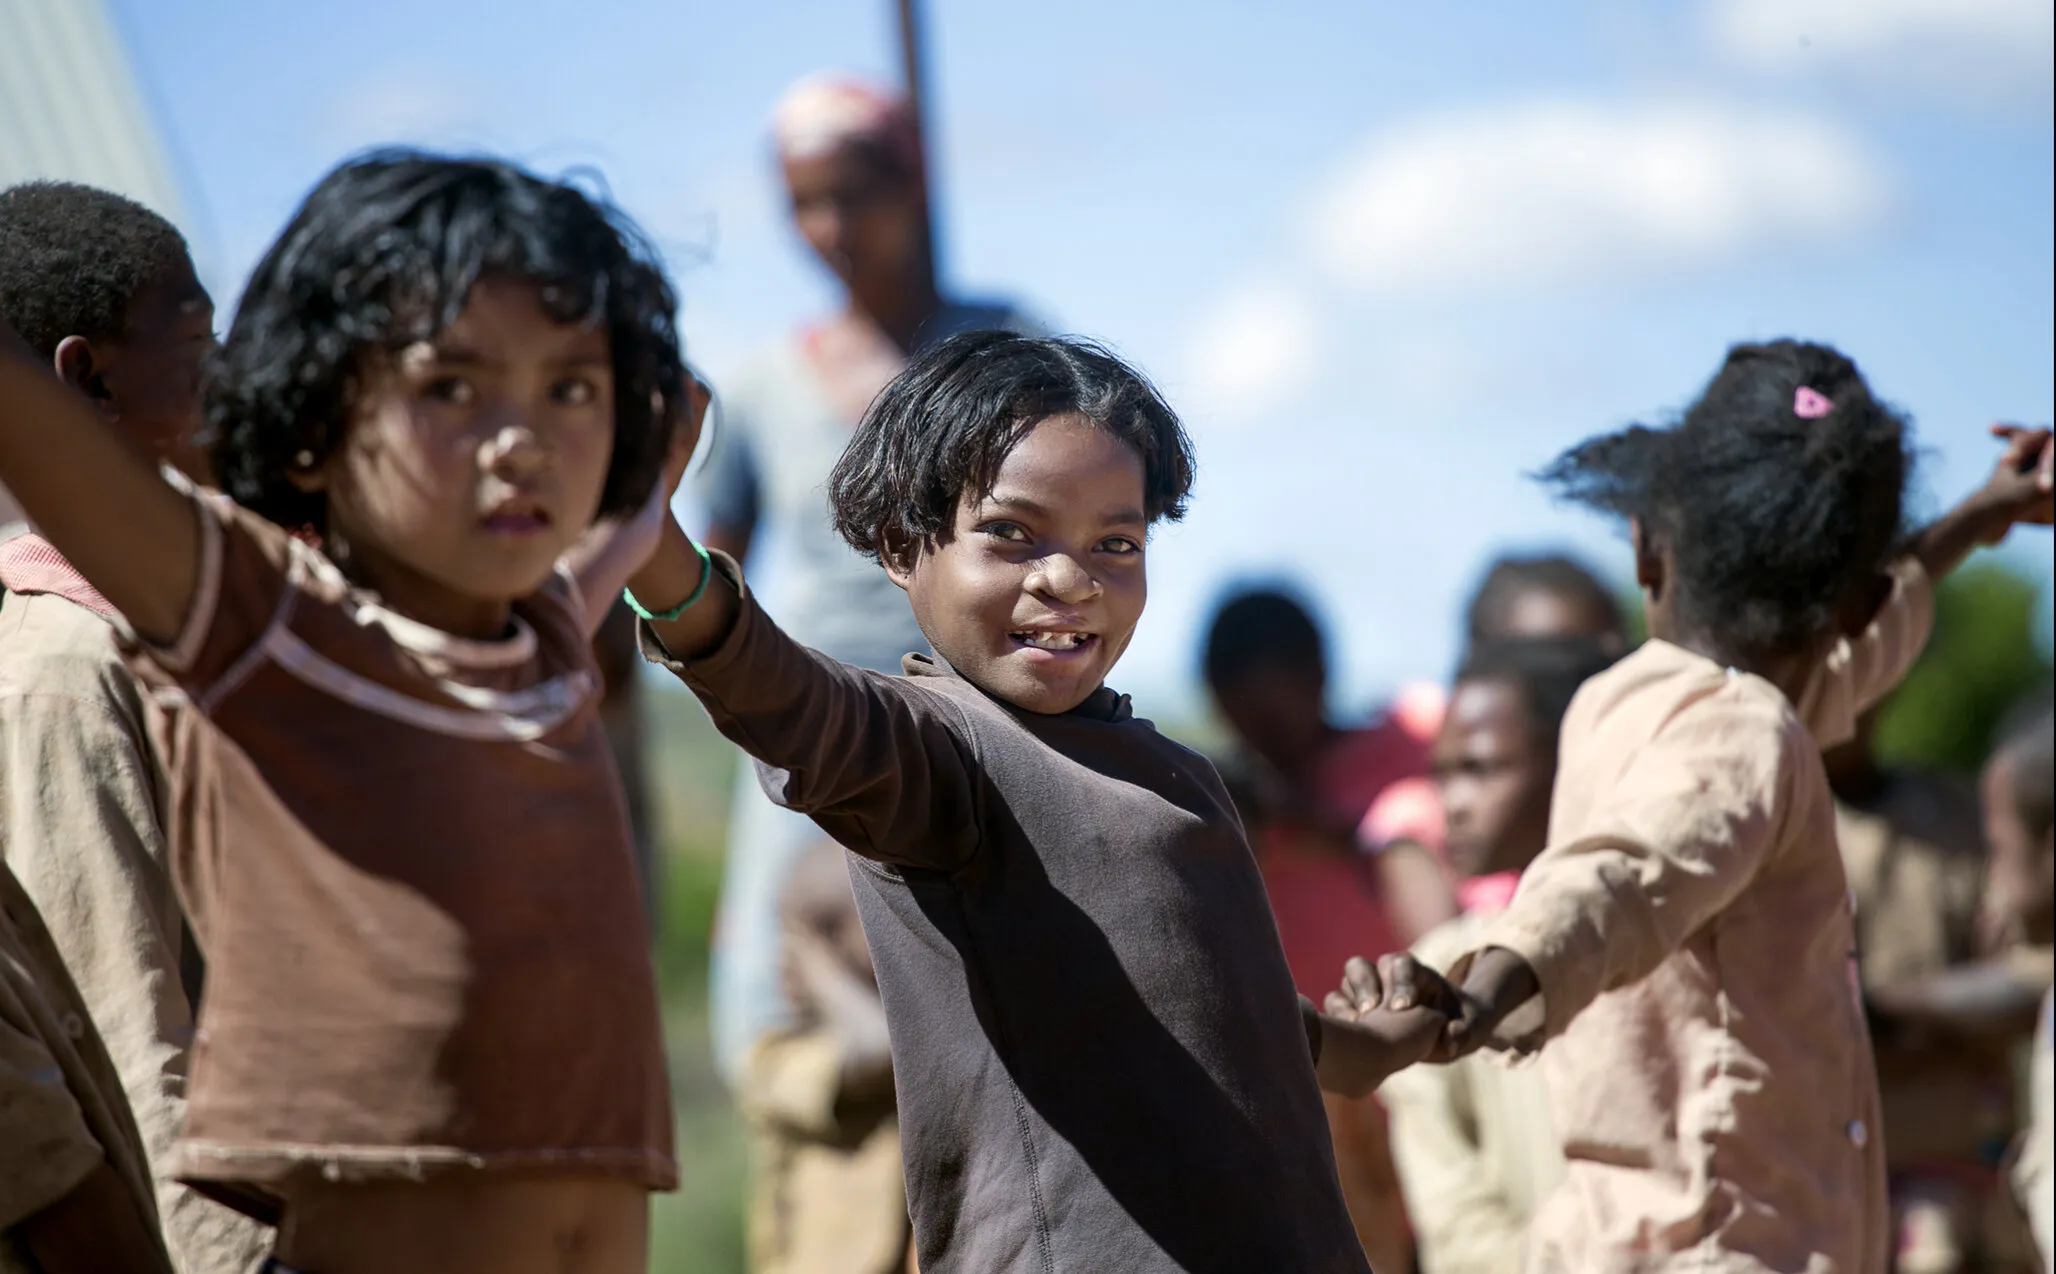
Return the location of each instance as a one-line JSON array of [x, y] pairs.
[[1100, 1059], [406, 856], [82, 826], [62, 1109], [1691, 928]]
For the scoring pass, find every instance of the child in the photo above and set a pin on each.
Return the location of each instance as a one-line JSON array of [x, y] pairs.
[[1100, 1059], [1305, 786], [103, 291], [829, 1197], [75, 1193], [1475, 1148], [1686, 941], [429, 1039]]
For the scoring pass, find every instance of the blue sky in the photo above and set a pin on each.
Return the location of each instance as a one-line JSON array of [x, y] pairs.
[[1385, 258]]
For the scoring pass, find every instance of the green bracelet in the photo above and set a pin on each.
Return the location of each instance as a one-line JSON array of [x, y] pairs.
[[666, 616]]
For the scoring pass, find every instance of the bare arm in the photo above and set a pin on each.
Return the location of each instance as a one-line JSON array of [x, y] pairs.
[[732, 539], [95, 1229], [2018, 491], [103, 505]]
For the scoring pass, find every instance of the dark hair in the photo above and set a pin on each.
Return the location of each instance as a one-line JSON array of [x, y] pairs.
[[1776, 521], [1262, 628], [2029, 749], [73, 257], [944, 426], [384, 253], [1511, 578], [1544, 671]]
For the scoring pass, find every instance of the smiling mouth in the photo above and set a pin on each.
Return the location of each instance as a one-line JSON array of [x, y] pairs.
[[1055, 643], [516, 521]]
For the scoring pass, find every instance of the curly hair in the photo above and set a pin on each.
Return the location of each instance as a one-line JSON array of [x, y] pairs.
[[73, 257], [384, 254], [1776, 520], [944, 426]]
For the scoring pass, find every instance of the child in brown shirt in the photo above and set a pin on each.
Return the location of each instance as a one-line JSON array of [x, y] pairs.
[[1685, 944], [1100, 1058], [429, 1040]]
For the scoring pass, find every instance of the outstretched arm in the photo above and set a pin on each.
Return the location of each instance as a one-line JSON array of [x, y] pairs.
[[102, 504], [2020, 490]]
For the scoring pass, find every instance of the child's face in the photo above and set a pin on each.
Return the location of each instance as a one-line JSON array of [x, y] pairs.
[[474, 461], [1034, 594], [150, 378], [1494, 775]]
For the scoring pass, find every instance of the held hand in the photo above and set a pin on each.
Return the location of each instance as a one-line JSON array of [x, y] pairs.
[[2022, 487]]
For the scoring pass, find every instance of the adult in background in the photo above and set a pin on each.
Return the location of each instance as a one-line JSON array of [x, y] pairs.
[[850, 157]]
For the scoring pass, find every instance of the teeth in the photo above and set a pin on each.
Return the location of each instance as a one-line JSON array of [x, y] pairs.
[[1052, 641]]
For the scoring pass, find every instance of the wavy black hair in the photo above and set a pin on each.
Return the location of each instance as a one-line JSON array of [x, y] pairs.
[[944, 426], [384, 254], [1545, 672], [1777, 521], [72, 259]]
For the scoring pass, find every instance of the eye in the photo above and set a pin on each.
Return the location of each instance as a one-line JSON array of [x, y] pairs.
[[574, 391], [454, 390], [1011, 532], [1120, 546]]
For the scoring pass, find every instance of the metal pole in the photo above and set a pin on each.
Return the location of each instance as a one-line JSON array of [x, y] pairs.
[[912, 66]]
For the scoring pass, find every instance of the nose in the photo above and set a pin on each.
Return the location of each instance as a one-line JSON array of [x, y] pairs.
[[514, 452], [1063, 578]]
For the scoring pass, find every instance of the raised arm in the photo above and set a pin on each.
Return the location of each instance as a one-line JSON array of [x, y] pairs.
[[2019, 491], [1685, 830], [102, 504]]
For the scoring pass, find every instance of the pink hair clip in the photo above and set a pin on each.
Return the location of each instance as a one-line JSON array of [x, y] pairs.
[[1810, 404]]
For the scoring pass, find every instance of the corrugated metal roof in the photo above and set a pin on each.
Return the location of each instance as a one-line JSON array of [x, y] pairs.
[[70, 108]]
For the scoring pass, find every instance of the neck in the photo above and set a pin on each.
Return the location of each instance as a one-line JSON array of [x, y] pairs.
[[900, 311], [1784, 669], [408, 593]]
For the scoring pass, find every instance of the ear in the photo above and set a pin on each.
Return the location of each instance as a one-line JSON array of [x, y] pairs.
[[1649, 564], [897, 557], [80, 366]]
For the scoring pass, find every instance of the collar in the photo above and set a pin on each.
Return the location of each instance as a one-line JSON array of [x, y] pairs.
[[31, 564], [1103, 704]]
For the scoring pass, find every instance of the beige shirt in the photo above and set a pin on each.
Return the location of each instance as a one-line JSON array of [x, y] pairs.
[[1476, 1147], [1692, 931], [81, 810], [62, 1110], [829, 1196]]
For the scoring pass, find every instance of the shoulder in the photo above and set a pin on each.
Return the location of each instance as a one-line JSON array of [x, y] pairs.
[[52, 647]]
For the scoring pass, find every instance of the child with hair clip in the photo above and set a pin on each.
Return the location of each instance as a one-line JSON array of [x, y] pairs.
[[1682, 952], [429, 1040], [1100, 1058]]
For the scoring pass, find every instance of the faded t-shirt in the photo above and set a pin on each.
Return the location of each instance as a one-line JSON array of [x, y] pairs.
[[406, 856]]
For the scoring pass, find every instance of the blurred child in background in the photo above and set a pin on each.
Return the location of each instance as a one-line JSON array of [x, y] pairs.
[[1303, 785], [1544, 595], [1476, 1150], [1914, 854], [827, 1196], [103, 291], [1685, 944]]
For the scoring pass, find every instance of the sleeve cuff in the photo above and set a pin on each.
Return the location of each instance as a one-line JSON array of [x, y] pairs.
[[695, 671]]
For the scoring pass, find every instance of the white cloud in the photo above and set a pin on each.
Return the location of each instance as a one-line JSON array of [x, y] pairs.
[[1993, 49], [1555, 191], [1255, 345]]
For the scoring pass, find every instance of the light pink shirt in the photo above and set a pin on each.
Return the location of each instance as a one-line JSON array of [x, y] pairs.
[[1709, 1067]]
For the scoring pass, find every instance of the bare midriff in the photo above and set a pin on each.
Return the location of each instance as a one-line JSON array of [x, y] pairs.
[[468, 1226]]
